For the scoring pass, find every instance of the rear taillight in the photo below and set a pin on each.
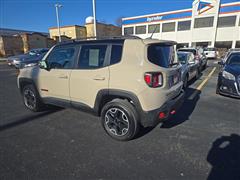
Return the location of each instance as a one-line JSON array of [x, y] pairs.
[[197, 57], [153, 79]]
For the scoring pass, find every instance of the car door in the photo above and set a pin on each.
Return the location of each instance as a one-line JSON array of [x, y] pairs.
[[91, 74], [53, 82], [192, 66]]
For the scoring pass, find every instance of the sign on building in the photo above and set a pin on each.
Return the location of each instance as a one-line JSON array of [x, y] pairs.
[[205, 7]]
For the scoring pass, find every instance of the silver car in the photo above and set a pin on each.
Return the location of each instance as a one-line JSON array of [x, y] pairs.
[[190, 67], [30, 58]]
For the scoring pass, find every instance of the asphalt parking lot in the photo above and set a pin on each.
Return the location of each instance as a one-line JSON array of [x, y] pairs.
[[201, 142]]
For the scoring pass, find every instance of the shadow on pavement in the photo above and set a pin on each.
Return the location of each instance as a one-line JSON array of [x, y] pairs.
[[224, 156], [191, 98], [27, 118]]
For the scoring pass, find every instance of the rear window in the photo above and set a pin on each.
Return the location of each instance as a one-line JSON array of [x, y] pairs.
[[210, 49], [182, 58], [162, 55], [189, 50]]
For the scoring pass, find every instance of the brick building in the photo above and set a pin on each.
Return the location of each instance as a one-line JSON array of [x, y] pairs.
[[13, 42]]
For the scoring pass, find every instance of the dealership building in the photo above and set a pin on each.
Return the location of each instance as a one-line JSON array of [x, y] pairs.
[[207, 23]]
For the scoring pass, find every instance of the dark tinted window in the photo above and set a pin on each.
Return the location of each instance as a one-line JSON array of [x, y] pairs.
[[168, 27], [61, 58], [154, 28], [203, 22], [234, 59], [92, 56], [44, 50], [116, 54], [140, 30], [184, 25], [128, 30], [189, 50], [161, 55], [182, 58], [209, 49], [227, 21]]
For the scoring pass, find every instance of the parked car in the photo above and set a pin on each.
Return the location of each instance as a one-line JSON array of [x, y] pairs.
[[198, 54], [229, 77], [190, 68], [210, 52], [224, 59], [28, 59], [128, 82]]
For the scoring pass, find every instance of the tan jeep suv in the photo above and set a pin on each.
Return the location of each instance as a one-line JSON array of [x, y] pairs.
[[129, 82]]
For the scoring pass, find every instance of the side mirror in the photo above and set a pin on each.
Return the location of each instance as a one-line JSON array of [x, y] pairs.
[[43, 65]]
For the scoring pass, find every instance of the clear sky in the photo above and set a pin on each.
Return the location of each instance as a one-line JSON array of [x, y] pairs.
[[39, 15]]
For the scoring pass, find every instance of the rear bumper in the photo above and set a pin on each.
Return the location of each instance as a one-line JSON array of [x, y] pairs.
[[151, 118]]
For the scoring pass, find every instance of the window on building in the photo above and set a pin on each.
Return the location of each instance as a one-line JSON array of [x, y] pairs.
[[61, 58], [128, 30], [238, 44], [168, 27], [228, 21], [203, 44], [203, 22], [116, 54], [184, 25], [182, 45], [154, 28], [223, 44], [92, 56], [140, 30]]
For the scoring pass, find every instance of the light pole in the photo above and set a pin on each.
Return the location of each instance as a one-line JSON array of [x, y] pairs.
[[58, 24], [94, 18]]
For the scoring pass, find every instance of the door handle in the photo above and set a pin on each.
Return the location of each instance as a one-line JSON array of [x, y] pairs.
[[99, 78], [63, 77]]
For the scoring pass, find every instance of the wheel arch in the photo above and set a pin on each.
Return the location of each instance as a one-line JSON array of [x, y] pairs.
[[25, 81], [106, 95]]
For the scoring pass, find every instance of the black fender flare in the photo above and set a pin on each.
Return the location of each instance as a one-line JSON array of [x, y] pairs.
[[105, 94]]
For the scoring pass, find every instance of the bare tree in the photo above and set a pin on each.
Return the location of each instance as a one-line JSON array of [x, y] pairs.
[[118, 21]]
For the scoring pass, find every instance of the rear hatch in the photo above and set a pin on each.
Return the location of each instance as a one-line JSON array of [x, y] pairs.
[[164, 55]]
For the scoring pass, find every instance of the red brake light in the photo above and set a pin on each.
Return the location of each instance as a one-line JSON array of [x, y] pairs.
[[153, 79], [197, 57], [147, 78]]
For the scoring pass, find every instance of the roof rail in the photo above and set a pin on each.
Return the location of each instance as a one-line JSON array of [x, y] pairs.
[[100, 38]]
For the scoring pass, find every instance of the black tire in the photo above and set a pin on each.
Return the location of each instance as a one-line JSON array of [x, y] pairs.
[[185, 82], [217, 89], [29, 91], [205, 66], [112, 110]]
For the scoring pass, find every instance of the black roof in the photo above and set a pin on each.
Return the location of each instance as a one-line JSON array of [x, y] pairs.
[[119, 39]]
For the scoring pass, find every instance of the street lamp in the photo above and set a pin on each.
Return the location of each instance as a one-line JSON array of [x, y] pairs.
[[58, 24], [94, 18]]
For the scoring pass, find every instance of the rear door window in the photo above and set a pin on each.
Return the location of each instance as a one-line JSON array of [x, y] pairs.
[[92, 56], [162, 55]]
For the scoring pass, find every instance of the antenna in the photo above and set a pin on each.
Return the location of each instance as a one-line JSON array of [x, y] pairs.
[[153, 32]]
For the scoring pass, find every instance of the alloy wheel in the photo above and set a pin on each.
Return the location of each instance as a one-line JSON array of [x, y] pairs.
[[29, 98], [116, 122]]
